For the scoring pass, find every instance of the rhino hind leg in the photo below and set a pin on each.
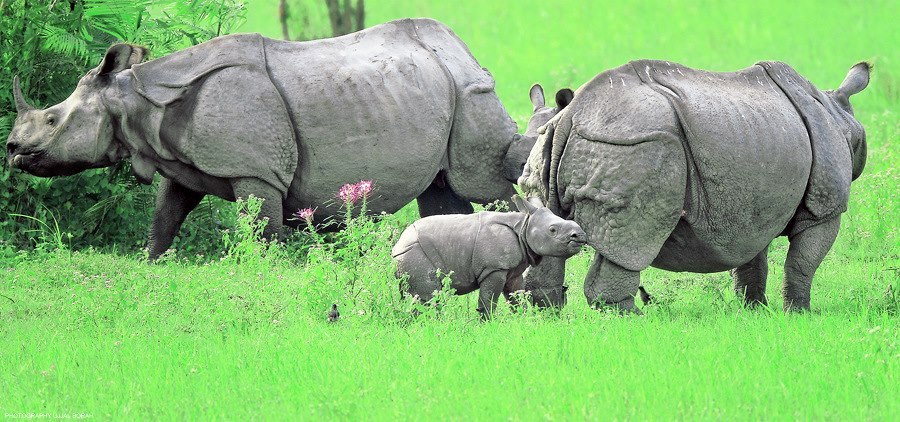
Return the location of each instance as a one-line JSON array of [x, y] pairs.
[[422, 279], [481, 135], [271, 208], [807, 250], [173, 204], [610, 285], [439, 199], [750, 280]]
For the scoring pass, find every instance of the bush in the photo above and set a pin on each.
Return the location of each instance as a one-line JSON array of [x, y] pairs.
[[50, 45]]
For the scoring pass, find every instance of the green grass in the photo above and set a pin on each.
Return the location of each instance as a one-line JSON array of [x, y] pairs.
[[113, 337]]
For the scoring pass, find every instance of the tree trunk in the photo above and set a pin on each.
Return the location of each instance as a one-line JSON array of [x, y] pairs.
[[282, 17], [345, 17]]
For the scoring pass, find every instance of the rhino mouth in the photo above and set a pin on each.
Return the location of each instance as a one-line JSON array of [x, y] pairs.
[[574, 246], [38, 163], [23, 159]]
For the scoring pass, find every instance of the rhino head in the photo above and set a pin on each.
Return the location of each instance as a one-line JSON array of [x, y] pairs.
[[546, 233], [76, 134], [856, 80], [518, 152]]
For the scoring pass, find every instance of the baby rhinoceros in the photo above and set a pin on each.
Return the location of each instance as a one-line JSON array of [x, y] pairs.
[[487, 251]]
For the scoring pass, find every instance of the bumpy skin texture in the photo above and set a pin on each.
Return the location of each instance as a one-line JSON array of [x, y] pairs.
[[403, 104], [487, 251], [688, 170]]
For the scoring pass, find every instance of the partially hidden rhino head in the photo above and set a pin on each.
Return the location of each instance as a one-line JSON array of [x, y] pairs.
[[546, 233], [76, 134], [856, 80], [517, 155]]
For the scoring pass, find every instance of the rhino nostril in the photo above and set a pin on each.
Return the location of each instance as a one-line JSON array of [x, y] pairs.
[[11, 147]]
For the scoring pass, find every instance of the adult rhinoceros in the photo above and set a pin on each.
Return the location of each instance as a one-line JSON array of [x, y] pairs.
[[404, 104], [687, 170]]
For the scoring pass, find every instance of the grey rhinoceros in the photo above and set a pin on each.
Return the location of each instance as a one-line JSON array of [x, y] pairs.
[[688, 170], [487, 251], [404, 104]]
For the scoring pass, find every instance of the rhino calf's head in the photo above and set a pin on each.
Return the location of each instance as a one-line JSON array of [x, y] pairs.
[[546, 233], [76, 134]]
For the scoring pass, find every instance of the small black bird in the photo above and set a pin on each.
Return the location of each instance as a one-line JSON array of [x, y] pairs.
[[645, 297], [333, 314]]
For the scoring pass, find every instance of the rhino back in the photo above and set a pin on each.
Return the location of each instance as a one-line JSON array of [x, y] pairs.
[[470, 245], [370, 105]]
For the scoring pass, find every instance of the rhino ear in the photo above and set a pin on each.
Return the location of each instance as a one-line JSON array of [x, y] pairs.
[[120, 57], [563, 98], [537, 96], [857, 79]]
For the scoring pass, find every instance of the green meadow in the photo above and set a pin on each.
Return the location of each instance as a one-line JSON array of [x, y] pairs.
[[243, 335]]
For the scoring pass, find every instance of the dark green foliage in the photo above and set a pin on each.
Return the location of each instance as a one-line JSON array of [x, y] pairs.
[[50, 44]]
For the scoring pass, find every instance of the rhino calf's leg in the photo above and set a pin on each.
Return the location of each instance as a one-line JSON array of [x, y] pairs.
[[173, 204], [609, 285], [750, 279], [271, 207], [807, 250], [439, 199], [489, 291]]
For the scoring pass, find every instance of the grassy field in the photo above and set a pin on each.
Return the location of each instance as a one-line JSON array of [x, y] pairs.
[[89, 333]]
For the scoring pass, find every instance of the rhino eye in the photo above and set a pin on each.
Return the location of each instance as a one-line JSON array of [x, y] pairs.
[[51, 120], [552, 230]]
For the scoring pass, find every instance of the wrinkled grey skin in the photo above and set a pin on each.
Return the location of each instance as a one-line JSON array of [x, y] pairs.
[[404, 104], [487, 251], [688, 170]]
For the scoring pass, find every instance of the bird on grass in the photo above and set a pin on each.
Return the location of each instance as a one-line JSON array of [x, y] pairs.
[[333, 314], [645, 297]]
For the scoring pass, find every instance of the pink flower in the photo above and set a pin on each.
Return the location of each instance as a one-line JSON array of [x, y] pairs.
[[348, 194], [363, 188], [305, 214], [351, 193]]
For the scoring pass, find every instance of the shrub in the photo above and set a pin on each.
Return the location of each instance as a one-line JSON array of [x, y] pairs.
[[50, 45]]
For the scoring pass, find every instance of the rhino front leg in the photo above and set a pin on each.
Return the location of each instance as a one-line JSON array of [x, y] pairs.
[[489, 291], [271, 208], [439, 199], [173, 204], [609, 285], [750, 279], [545, 282], [808, 249]]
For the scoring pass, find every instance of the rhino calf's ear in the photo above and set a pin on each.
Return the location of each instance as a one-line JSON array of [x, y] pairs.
[[857, 79], [537, 96], [120, 57], [564, 97]]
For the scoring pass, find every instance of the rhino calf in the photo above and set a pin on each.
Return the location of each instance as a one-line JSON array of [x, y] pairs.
[[487, 251]]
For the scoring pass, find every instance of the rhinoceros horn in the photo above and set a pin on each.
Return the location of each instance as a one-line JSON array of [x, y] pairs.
[[21, 105]]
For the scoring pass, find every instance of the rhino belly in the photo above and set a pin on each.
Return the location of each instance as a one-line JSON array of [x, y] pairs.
[[373, 107]]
